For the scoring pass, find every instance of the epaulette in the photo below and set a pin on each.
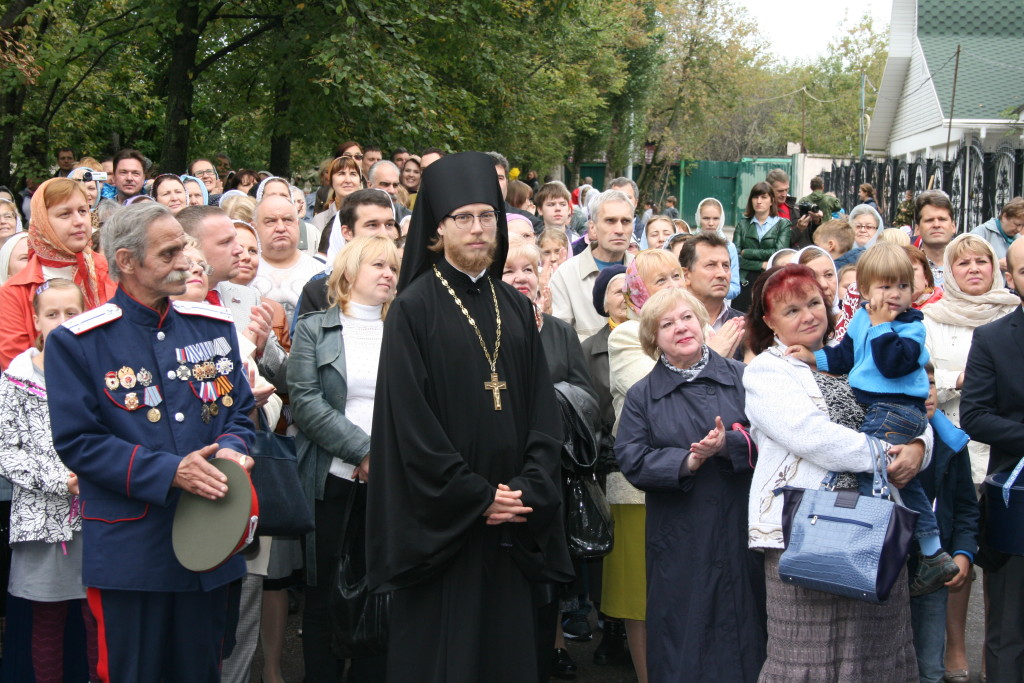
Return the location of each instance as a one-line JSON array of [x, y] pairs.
[[101, 315], [204, 309]]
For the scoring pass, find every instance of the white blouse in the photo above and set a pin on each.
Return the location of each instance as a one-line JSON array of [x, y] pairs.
[[363, 330]]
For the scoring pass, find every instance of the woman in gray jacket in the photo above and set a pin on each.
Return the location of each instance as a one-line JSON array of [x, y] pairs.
[[332, 377]]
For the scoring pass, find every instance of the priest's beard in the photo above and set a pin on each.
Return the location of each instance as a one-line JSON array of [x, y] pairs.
[[470, 261]]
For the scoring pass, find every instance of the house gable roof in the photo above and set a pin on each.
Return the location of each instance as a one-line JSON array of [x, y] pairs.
[[991, 79]]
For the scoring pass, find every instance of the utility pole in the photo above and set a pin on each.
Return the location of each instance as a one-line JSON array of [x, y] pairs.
[[803, 119], [863, 77]]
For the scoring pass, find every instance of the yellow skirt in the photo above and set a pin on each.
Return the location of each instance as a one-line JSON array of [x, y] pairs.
[[624, 581]]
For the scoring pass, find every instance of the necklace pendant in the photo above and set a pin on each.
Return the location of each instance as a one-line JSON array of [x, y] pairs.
[[495, 386]]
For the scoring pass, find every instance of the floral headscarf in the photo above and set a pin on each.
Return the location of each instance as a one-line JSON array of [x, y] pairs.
[[51, 252], [956, 307], [635, 287]]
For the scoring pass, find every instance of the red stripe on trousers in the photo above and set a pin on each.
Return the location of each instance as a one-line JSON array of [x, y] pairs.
[[96, 605]]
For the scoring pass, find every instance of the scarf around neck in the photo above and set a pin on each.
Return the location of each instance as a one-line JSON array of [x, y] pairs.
[[967, 310], [51, 252]]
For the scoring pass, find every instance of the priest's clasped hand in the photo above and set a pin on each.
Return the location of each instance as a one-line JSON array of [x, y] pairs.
[[507, 507]]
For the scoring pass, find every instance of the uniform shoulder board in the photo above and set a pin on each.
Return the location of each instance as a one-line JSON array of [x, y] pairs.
[[203, 309], [101, 315]]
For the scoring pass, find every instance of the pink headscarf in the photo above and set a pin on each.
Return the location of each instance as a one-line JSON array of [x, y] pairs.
[[635, 287]]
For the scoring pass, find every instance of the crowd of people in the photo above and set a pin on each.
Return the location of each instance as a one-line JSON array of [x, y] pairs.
[[451, 348]]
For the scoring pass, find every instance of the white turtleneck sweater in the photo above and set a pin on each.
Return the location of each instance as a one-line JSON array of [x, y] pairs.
[[362, 330]]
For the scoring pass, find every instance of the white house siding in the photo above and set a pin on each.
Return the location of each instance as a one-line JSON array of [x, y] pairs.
[[919, 108]]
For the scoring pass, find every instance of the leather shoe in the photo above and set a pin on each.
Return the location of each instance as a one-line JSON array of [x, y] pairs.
[[612, 648], [562, 665]]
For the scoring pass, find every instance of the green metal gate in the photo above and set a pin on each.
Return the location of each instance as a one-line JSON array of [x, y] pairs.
[[727, 181]]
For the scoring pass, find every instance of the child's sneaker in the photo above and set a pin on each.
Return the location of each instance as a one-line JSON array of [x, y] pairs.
[[932, 572]]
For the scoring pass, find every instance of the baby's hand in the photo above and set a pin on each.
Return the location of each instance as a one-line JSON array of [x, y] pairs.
[[801, 352]]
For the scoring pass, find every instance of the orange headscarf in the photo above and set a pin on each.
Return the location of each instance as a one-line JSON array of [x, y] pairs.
[[51, 252]]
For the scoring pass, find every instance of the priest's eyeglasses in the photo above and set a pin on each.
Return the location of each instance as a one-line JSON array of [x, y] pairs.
[[464, 221]]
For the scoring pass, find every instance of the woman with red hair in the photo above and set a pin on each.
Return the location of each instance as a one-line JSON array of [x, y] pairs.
[[805, 424], [59, 238]]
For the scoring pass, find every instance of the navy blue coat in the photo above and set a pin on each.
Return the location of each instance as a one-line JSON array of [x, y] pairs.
[[706, 617], [125, 462], [947, 482]]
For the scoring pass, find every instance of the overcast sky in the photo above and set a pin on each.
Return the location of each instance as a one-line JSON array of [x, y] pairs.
[[782, 22]]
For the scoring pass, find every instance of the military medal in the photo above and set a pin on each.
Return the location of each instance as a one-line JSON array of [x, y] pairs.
[[208, 395], [131, 401], [127, 377], [144, 377], [221, 347], [152, 398], [224, 366], [111, 380], [223, 386], [184, 373]]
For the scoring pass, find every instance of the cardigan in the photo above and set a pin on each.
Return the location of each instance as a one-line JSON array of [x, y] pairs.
[[797, 443], [41, 508]]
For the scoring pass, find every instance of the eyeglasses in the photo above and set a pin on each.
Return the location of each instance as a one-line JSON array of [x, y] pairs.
[[205, 171], [866, 227], [464, 221], [357, 157], [203, 265]]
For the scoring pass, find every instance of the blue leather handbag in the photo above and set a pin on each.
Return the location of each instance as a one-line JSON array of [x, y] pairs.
[[844, 543]]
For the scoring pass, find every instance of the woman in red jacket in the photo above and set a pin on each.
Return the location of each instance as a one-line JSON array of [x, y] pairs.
[[59, 236]]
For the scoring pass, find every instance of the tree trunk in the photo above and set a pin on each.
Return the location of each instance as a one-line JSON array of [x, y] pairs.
[[11, 104], [281, 137], [180, 88], [12, 98]]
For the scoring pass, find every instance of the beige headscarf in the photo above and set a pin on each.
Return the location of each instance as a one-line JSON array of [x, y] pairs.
[[966, 310]]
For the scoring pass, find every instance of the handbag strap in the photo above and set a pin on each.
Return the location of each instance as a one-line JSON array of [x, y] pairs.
[[1010, 480], [350, 506], [738, 427], [261, 421], [880, 481], [880, 478]]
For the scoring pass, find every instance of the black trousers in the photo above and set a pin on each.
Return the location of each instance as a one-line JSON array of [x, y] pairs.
[[151, 637], [1004, 622], [322, 666]]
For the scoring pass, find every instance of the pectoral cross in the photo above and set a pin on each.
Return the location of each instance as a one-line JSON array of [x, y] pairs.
[[495, 386]]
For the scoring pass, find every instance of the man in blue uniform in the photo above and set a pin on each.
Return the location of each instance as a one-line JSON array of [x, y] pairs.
[[145, 391]]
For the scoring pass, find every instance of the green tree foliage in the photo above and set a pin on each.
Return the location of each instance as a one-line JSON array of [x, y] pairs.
[[279, 85], [195, 77]]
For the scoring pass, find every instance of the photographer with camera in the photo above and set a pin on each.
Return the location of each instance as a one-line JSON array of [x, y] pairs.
[[818, 207], [803, 221]]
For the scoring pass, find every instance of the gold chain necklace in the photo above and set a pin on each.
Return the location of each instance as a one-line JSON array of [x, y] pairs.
[[496, 385]]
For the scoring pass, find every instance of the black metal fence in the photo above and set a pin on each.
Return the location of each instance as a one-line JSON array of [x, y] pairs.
[[978, 182]]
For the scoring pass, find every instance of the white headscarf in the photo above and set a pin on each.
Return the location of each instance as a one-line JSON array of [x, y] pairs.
[[721, 219], [7, 251], [967, 310], [835, 295], [851, 218], [17, 215], [233, 193], [263, 184], [780, 252]]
